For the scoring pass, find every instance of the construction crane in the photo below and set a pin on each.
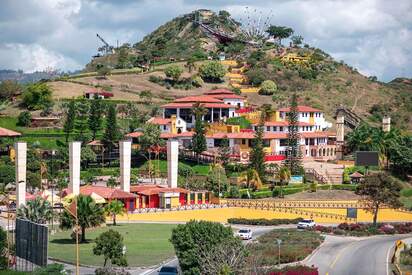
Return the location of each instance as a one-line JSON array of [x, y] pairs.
[[106, 48]]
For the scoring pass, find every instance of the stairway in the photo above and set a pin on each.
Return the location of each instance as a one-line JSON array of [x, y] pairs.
[[323, 172]]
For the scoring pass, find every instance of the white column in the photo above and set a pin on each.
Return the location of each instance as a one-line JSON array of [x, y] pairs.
[[386, 124], [74, 166], [340, 136], [125, 158], [21, 156], [172, 162]]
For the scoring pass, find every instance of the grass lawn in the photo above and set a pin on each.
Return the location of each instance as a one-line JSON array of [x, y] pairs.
[[406, 197], [146, 244], [199, 169]]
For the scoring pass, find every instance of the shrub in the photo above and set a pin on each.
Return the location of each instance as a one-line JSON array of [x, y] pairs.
[[155, 79], [233, 192], [24, 119], [268, 87], [110, 271], [338, 231], [237, 90], [256, 76], [37, 96], [212, 71], [174, 72], [263, 221], [387, 229], [197, 81]]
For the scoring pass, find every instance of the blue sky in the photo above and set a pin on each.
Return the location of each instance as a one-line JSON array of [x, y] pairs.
[[374, 36]]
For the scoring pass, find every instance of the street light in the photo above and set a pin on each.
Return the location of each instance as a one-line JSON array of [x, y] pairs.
[[279, 242]]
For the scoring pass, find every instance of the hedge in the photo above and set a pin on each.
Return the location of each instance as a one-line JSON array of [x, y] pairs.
[[263, 221]]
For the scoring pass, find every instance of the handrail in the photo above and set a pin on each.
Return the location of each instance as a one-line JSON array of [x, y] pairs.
[[317, 176]]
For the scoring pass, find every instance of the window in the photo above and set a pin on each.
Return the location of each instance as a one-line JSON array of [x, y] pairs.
[[243, 141], [267, 128], [218, 142], [266, 143], [281, 128], [164, 127], [283, 142], [169, 112], [186, 115], [274, 128]]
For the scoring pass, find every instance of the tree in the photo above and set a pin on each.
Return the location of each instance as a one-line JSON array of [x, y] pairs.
[[379, 189], [216, 180], [95, 116], [37, 210], [279, 32], [283, 175], [81, 125], [149, 141], [256, 76], [212, 71], [224, 151], [103, 71], [199, 139], [24, 119], [190, 64], [89, 214], [110, 245], [9, 88], [293, 153], [297, 40], [115, 208], [174, 72], [87, 155], [190, 239], [227, 257], [111, 134], [37, 96], [146, 95], [112, 182], [268, 87], [123, 58], [68, 126], [257, 154], [3, 248], [251, 179]]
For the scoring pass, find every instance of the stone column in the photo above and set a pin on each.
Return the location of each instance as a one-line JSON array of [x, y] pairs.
[[125, 159], [172, 162], [386, 124], [20, 161], [340, 136], [74, 166]]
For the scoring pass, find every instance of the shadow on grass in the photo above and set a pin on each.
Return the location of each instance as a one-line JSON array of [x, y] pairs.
[[69, 241]]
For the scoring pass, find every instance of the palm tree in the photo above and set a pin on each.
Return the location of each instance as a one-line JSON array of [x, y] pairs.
[[37, 210], [283, 175], [89, 214], [250, 178], [115, 208]]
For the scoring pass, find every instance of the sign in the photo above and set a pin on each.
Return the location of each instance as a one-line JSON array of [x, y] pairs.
[[367, 158], [296, 180], [352, 213], [31, 242]]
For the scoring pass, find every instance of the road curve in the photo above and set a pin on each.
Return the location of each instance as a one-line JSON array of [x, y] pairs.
[[354, 256]]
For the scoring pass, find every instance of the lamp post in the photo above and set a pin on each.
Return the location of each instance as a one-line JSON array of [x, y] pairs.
[[279, 242]]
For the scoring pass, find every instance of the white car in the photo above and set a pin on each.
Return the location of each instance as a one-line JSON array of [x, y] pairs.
[[304, 224], [245, 234]]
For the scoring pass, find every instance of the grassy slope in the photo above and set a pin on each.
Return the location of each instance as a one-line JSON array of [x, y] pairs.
[[146, 244]]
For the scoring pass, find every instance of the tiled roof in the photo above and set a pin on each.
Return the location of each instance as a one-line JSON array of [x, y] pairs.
[[149, 190], [106, 192], [219, 92], [159, 121], [171, 135], [8, 133], [228, 96], [190, 105], [301, 108], [318, 134], [284, 123], [200, 98], [134, 134]]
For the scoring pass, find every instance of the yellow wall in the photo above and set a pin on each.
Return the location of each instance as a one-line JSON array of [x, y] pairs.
[[174, 201], [223, 214]]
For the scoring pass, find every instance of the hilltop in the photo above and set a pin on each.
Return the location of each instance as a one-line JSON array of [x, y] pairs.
[[320, 81]]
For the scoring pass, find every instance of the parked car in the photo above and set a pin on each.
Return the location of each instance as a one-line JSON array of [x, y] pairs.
[[245, 234], [168, 270], [304, 224]]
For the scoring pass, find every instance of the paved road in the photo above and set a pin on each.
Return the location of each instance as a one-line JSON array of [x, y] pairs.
[[354, 256]]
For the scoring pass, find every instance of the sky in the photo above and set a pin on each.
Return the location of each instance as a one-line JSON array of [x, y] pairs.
[[373, 36]]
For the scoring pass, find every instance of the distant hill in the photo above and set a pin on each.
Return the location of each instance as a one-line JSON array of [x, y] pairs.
[[23, 77]]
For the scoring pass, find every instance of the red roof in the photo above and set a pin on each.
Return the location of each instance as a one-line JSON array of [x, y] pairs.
[[159, 121], [228, 96], [148, 190], [219, 92], [171, 135], [200, 98], [106, 192], [134, 134], [301, 109], [99, 92], [318, 134], [284, 123], [190, 105], [8, 133]]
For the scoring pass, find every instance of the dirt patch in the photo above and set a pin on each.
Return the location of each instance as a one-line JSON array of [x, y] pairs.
[[324, 195]]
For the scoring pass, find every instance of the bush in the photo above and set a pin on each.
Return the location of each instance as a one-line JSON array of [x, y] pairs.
[[110, 271], [233, 192], [37, 96], [174, 72], [240, 120], [197, 81], [50, 269], [212, 71], [155, 79], [263, 221], [256, 76], [268, 87], [24, 119]]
